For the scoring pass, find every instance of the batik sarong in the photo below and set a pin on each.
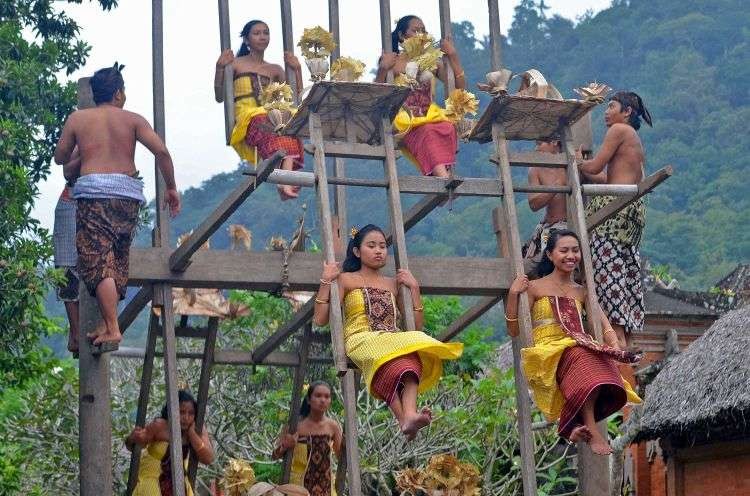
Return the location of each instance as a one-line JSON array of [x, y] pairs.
[[311, 464], [617, 263], [105, 228]]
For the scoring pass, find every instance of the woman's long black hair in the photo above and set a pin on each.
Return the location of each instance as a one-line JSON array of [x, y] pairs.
[[244, 50], [401, 27], [182, 396], [546, 266], [352, 263], [304, 409]]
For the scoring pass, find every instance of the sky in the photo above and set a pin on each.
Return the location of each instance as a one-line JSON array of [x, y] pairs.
[[194, 122]]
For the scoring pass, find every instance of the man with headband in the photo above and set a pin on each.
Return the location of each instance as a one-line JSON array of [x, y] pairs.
[[615, 243], [107, 192]]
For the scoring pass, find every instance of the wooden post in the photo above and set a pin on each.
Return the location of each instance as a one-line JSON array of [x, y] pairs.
[[157, 58], [143, 397], [593, 470], [385, 32], [339, 192], [336, 319], [288, 36], [94, 411], [495, 36], [173, 406], [299, 380], [446, 30], [396, 217], [203, 385], [349, 391], [224, 40], [513, 243]]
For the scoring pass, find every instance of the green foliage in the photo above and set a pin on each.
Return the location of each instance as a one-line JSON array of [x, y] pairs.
[[33, 106]]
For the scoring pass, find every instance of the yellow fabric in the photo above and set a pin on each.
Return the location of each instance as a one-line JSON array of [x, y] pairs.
[[245, 109], [299, 466], [540, 361], [150, 468], [370, 349]]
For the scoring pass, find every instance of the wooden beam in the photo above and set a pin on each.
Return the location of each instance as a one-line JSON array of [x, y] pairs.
[[231, 357], [94, 411], [300, 318], [351, 446], [143, 397], [225, 43], [397, 220], [288, 43], [297, 384], [157, 64], [259, 271], [180, 259], [385, 32], [134, 307], [469, 317], [535, 159], [360, 151], [495, 38], [644, 187], [446, 31], [203, 384]]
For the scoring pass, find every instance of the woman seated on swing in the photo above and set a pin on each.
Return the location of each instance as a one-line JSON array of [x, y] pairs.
[[253, 134], [430, 140], [573, 377], [154, 471], [316, 436], [395, 364]]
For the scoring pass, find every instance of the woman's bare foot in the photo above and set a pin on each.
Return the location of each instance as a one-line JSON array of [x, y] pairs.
[[287, 192], [580, 433], [411, 425], [599, 445]]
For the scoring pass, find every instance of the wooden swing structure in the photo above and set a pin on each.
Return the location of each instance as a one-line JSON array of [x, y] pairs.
[[343, 121]]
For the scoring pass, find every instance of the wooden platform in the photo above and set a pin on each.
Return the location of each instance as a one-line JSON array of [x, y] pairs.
[[349, 111], [529, 118]]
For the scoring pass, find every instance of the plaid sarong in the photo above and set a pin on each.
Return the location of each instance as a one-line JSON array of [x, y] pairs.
[[64, 231], [388, 380], [432, 144], [260, 135]]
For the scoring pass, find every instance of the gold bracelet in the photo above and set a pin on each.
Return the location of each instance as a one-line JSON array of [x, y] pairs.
[[322, 302], [418, 309], [325, 281], [460, 75], [508, 319]]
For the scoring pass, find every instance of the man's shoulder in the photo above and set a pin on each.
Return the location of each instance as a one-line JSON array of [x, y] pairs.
[[621, 129]]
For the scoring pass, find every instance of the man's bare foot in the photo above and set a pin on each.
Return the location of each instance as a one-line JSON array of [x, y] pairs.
[[287, 192], [73, 342], [108, 337], [600, 446], [580, 433], [100, 330]]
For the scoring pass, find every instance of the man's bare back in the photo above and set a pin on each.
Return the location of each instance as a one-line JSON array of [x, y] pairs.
[[106, 137], [554, 203]]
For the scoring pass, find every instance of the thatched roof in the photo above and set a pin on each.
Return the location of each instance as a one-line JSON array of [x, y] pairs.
[[704, 392]]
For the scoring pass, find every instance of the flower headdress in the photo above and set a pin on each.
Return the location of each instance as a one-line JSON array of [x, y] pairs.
[[354, 231]]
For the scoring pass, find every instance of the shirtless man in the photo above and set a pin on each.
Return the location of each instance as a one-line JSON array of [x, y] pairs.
[[614, 244], [554, 203], [107, 193]]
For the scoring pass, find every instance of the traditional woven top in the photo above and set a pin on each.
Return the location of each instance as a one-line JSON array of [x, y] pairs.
[[529, 118], [341, 103]]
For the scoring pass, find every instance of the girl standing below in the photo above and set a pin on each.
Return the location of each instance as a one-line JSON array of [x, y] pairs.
[[154, 471], [253, 134], [316, 436], [574, 378], [430, 140], [395, 364]]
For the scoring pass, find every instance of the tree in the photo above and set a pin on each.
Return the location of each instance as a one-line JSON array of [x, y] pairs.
[[33, 106]]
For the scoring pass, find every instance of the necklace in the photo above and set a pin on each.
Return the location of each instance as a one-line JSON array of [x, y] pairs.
[[562, 289]]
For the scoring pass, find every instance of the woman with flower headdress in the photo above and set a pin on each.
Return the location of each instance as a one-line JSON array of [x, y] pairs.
[[253, 134], [315, 438], [395, 364], [430, 139], [154, 471]]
